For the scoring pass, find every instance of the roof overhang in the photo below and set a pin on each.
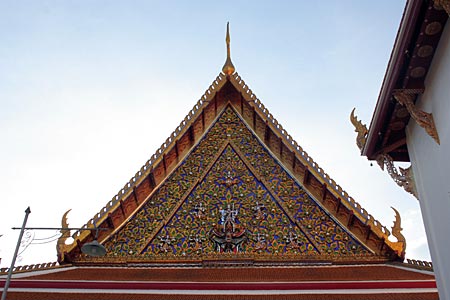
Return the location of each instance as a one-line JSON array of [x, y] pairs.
[[417, 39]]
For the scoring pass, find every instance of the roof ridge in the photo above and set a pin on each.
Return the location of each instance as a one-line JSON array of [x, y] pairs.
[[348, 200]]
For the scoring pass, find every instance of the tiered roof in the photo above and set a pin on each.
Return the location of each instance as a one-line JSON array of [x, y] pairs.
[[416, 42]]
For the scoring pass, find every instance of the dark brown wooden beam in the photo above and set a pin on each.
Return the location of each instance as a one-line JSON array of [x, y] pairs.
[[151, 180], [382, 244], [281, 147], [294, 161], [386, 137], [242, 103], [394, 145], [324, 192], [254, 118], [306, 175], [135, 196], [417, 85], [79, 244], [266, 133], [368, 233], [164, 164], [109, 221], [203, 121], [351, 219], [215, 105], [339, 205], [122, 209], [176, 151], [191, 134]]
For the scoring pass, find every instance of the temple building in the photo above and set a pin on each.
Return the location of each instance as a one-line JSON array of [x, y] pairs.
[[411, 122], [230, 207]]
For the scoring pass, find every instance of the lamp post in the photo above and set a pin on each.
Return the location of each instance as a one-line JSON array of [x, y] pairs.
[[93, 248], [8, 278]]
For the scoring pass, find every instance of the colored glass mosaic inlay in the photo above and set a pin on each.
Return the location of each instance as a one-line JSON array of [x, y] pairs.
[[230, 195]]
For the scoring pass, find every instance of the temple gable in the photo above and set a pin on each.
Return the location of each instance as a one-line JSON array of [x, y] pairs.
[[231, 196]]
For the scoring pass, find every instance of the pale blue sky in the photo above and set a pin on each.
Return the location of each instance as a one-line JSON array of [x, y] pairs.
[[90, 89]]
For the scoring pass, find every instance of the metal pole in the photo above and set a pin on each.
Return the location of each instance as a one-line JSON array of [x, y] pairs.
[[8, 279], [59, 228]]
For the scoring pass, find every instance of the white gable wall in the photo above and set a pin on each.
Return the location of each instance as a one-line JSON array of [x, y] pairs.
[[431, 162]]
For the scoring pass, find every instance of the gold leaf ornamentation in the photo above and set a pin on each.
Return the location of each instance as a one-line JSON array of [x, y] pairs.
[[423, 119], [445, 4], [397, 232], [228, 67], [402, 177], [361, 129], [65, 234]]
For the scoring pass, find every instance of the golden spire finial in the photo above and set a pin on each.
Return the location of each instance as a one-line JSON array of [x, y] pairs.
[[228, 67]]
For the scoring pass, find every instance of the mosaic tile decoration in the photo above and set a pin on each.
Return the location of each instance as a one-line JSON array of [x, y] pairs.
[[230, 195]]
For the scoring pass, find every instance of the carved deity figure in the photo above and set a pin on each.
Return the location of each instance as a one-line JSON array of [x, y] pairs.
[[229, 180], [228, 235]]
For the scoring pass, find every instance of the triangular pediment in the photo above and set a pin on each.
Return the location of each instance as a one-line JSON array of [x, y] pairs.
[[278, 201], [230, 195]]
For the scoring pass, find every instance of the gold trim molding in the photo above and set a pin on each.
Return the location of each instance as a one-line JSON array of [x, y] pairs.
[[402, 177], [423, 119]]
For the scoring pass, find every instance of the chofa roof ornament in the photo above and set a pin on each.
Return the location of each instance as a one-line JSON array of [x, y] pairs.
[[361, 129]]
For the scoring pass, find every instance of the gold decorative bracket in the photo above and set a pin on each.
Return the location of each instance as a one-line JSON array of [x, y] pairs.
[[424, 119], [445, 4], [403, 178], [397, 233], [361, 129]]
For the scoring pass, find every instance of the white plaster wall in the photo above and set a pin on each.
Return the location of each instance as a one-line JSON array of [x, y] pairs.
[[431, 162]]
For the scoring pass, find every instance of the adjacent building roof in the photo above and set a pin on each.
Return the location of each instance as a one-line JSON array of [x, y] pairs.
[[417, 39]]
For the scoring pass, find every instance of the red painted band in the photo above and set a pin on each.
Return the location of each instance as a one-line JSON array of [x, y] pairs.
[[40, 284]]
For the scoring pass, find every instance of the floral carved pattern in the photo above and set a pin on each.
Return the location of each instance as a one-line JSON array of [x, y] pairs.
[[231, 195]]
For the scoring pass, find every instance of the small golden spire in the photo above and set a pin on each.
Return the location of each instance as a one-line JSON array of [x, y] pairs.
[[228, 67]]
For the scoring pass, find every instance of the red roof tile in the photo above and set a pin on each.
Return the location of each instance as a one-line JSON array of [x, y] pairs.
[[247, 274]]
